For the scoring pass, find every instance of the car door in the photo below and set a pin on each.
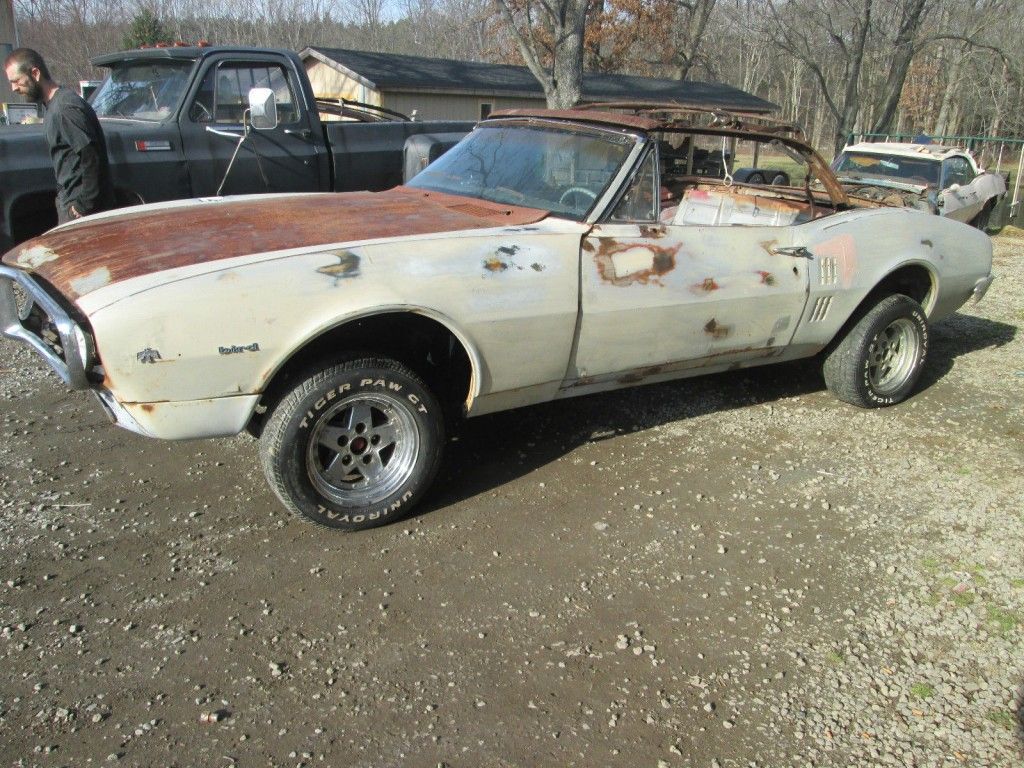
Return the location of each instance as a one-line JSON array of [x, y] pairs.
[[959, 197], [693, 290], [289, 158]]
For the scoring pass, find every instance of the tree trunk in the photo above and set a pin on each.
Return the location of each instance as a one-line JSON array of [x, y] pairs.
[[903, 54], [564, 20]]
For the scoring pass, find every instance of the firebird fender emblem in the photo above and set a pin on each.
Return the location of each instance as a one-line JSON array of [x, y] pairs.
[[148, 355], [235, 349]]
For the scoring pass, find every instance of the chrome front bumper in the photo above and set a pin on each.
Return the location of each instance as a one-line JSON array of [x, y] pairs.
[[43, 324]]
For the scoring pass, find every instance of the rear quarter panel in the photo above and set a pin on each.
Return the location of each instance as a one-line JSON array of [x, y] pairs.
[[854, 251]]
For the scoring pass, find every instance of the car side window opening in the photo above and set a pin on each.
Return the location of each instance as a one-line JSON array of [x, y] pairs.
[[223, 95], [956, 170], [641, 200]]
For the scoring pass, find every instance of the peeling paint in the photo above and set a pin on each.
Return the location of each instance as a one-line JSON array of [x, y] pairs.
[[705, 286], [508, 250], [631, 262], [35, 256], [716, 331], [537, 267], [927, 242], [494, 264], [347, 266], [96, 279], [653, 232]]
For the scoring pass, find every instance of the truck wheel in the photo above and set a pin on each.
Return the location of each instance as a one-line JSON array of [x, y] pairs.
[[880, 359], [779, 179], [355, 445], [755, 178]]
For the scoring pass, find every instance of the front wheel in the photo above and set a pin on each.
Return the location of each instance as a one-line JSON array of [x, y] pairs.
[[355, 445], [880, 360]]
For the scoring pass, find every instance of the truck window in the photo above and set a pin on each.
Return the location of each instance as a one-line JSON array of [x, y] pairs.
[[142, 90], [224, 93]]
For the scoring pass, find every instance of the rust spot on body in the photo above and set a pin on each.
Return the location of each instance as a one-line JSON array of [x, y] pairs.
[[652, 232], [716, 331], [347, 266], [494, 264], [147, 407], [767, 278], [707, 285], [537, 267], [663, 261], [928, 243]]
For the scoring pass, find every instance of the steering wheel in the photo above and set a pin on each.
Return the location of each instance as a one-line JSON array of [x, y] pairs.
[[571, 191]]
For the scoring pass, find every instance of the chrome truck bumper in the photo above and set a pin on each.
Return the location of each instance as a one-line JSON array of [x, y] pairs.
[[36, 319]]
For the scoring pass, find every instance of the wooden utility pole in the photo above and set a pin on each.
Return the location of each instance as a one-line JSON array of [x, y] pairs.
[[8, 42]]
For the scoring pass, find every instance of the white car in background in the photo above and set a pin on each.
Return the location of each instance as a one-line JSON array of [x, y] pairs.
[[944, 180]]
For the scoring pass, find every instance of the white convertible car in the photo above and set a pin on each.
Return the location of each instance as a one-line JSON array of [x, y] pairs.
[[939, 179], [550, 254]]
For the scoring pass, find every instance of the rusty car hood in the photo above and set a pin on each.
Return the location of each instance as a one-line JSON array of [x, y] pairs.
[[106, 249]]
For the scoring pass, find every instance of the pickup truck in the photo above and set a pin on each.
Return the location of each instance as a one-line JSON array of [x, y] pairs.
[[170, 117]]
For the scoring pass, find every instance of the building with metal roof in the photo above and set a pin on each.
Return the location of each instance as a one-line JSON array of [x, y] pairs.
[[445, 89]]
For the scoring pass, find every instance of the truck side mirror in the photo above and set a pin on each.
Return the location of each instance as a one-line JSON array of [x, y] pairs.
[[262, 109]]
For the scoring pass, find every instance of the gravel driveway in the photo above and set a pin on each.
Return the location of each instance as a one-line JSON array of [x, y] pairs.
[[736, 570]]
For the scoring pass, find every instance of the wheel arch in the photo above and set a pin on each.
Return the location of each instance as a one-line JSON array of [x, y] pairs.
[[427, 341], [915, 279]]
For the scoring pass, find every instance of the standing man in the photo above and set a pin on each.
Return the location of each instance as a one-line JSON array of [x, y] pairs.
[[77, 148]]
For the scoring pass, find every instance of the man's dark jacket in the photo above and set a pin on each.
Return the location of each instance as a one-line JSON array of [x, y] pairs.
[[79, 155]]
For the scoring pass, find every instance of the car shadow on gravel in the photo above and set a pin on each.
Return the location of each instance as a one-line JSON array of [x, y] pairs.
[[959, 335], [493, 450]]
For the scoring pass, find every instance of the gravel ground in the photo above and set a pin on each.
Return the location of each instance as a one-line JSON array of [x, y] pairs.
[[736, 570]]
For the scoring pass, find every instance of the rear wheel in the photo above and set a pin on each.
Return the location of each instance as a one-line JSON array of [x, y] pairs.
[[355, 445], [755, 178], [880, 360]]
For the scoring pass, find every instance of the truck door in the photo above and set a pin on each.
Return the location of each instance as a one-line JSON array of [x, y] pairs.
[[290, 158]]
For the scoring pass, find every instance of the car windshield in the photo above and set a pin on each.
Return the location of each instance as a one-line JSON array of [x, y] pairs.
[[560, 170], [863, 165], [142, 90]]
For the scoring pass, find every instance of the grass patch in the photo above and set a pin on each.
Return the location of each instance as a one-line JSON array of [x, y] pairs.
[[1004, 621], [1002, 718], [835, 658], [922, 691], [963, 599], [1017, 583], [930, 563]]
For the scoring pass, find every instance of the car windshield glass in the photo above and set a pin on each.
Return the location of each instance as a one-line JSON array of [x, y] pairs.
[[142, 91], [536, 166], [861, 165]]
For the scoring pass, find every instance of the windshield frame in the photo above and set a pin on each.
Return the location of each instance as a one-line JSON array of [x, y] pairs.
[[185, 67], [632, 139]]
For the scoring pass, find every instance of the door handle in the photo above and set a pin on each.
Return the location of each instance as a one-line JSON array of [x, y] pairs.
[[796, 251], [302, 133]]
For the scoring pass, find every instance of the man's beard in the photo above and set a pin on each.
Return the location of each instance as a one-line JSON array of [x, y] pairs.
[[35, 92]]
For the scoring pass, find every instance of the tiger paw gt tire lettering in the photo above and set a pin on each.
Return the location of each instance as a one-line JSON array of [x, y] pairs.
[[881, 358], [354, 445]]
